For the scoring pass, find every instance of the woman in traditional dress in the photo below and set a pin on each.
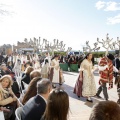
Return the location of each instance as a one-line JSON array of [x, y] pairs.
[[55, 75], [23, 61], [17, 66], [87, 78], [36, 63], [45, 69]]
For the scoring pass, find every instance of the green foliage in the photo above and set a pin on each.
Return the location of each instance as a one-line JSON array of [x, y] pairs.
[[95, 62], [60, 53], [98, 54], [101, 54]]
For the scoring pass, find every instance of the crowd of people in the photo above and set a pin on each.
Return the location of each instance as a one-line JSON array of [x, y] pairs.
[[29, 85], [20, 74]]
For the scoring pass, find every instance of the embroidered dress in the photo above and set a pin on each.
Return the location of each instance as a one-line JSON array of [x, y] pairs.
[[23, 61], [56, 70], [89, 86], [36, 64], [17, 66], [78, 87], [45, 70]]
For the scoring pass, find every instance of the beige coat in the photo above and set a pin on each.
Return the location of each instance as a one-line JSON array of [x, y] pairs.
[[5, 98]]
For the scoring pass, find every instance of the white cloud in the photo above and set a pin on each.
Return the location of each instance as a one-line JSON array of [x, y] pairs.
[[108, 6], [114, 20], [112, 6], [99, 5]]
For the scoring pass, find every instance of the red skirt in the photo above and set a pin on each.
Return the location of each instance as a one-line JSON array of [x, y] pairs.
[[78, 87]]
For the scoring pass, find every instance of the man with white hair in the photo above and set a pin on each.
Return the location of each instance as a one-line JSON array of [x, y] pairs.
[[35, 107]]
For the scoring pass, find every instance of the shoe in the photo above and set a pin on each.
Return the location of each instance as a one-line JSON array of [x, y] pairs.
[[98, 96], [106, 99], [60, 83], [118, 101], [68, 69], [89, 100], [54, 86]]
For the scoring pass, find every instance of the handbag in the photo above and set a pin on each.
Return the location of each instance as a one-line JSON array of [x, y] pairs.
[[11, 113], [8, 114]]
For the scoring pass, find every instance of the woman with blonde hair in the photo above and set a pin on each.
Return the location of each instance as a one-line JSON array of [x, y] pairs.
[[7, 97], [5, 90], [57, 106]]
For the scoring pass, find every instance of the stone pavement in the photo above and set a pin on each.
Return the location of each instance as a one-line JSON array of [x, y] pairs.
[[79, 108]]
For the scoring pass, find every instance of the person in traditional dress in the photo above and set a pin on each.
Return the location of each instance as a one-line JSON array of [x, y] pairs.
[[36, 63], [106, 69], [14, 58], [23, 61], [55, 75], [17, 66], [46, 66], [88, 87], [48, 57], [29, 58], [45, 69]]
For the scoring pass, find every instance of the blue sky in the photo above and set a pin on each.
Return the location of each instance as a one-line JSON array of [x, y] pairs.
[[71, 21]]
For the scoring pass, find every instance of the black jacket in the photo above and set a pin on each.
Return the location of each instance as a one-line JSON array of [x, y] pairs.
[[116, 63], [26, 79], [34, 108], [1, 59]]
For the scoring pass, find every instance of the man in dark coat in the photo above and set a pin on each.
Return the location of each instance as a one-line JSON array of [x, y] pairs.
[[116, 63], [35, 107], [1, 58]]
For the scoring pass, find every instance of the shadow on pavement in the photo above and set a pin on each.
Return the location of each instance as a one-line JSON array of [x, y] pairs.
[[69, 90], [69, 73], [72, 73], [92, 104]]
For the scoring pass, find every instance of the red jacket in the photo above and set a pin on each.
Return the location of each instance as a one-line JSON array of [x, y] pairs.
[[106, 76]]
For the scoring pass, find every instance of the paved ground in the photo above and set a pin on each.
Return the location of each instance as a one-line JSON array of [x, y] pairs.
[[79, 108]]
